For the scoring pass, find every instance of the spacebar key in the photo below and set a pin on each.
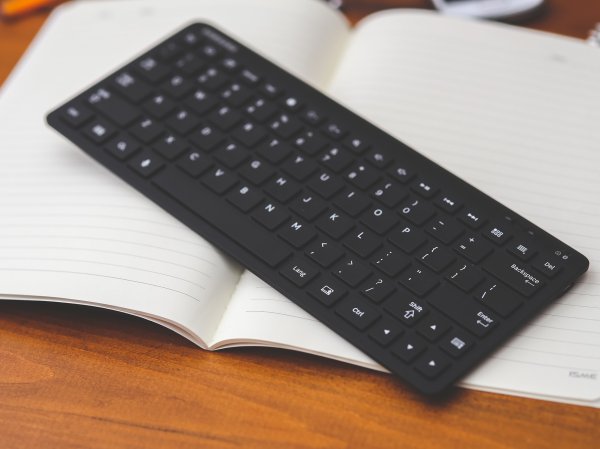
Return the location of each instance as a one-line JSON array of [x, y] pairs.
[[234, 225]]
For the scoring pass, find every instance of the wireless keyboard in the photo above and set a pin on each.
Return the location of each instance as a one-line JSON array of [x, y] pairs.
[[421, 271]]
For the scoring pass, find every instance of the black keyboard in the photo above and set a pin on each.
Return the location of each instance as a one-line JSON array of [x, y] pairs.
[[418, 269]]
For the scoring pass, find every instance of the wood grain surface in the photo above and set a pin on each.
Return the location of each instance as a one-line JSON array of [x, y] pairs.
[[77, 377]]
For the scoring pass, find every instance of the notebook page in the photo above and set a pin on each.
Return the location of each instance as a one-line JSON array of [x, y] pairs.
[[516, 114], [71, 230]]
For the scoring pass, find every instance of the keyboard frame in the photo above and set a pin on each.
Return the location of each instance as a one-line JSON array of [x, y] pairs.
[[486, 205]]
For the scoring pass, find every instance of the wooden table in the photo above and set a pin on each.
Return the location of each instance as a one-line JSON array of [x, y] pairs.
[[72, 376]]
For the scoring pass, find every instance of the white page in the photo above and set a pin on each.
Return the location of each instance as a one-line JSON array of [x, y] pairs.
[[72, 231], [515, 113]]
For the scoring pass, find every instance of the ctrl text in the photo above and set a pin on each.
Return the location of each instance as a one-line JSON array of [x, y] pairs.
[[357, 311]]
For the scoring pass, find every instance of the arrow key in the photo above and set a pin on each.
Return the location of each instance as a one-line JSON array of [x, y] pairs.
[[409, 347], [386, 331], [433, 327], [432, 364]]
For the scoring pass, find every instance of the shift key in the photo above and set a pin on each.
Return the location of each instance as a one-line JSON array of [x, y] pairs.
[[514, 273]]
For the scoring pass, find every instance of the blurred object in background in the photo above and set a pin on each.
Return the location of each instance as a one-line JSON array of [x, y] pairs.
[[10, 9], [488, 9], [594, 38]]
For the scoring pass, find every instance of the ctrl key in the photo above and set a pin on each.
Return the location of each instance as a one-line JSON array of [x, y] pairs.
[[357, 312]]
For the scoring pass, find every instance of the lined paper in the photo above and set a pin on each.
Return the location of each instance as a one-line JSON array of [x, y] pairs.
[[515, 113]]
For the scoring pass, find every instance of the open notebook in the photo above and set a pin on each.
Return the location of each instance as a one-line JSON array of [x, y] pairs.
[[513, 112]]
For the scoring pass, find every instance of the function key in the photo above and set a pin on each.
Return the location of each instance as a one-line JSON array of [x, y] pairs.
[[169, 50], [190, 38], [131, 87], [497, 234], [122, 147], [230, 64], [548, 265], [357, 312], [312, 117], [448, 204], [327, 291], [386, 331], [291, 103], [472, 218], [114, 108], [424, 188], [151, 69], [334, 130], [379, 158], [76, 115], [356, 144], [456, 343], [99, 131], [252, 78], [269, 89], [146, 163], [189, 64], [209, 51], [522, 249], [432, 364], [402, 173]]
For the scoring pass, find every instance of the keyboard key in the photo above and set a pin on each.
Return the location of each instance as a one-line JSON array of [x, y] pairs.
[[472, 218], [386, 331], [147, 130], [151, 69], [436, 257], [407, 310], [76, 115], [299, 271], [362, 242], [271, 216], [497, 234], [380, 220], [183, 121], [297, 233], [131, 87], [328, 291], [465, 276], [409, 347], [389, 193], [244, 232], [231, 154], [473, 248], [300, 167], [456, 343], [195, 163], [377, 289], [464, 310], [548, 265], [417, 211], [219, 180], [112, 107], [432, 364], [324, 253], [424, 188], [522, 249], [433, 327], [146, 163], [357, 312], [352, 202], [390, 261], [418, 280], [274, 150], [352, 272], [514, 273], [325, 184], [245, 198], [159, 106], [170, 147], [446, 230], [498, 298], [99, 130], [407, 238], [207, 138], [308, 206], [122, 146], [256, 171], [334, 224]]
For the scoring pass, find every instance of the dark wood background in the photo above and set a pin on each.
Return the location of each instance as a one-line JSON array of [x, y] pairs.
[[76, 377]]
